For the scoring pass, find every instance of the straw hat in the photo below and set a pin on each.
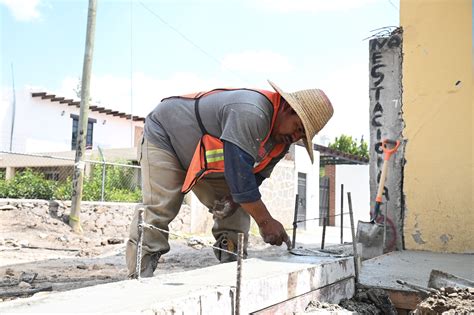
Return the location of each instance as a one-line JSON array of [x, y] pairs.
[[312, 107]]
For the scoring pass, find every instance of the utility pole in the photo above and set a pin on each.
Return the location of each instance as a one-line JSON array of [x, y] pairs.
[[79, 165]]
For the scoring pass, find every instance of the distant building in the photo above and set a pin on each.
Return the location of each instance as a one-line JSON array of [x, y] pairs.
[[45, 124]]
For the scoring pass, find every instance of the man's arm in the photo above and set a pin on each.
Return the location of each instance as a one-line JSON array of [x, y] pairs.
[[244, 189]]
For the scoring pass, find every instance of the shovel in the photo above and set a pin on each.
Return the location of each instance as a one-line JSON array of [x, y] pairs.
[[440, 279], [371, 234]]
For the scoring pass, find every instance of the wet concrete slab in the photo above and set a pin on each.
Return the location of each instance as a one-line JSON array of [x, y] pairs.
[[413, 267], [208, 290]]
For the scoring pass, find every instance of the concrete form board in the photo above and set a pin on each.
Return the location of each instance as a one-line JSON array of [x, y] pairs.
[[413, 267], [204, 291], [333, 293], [385, 67]]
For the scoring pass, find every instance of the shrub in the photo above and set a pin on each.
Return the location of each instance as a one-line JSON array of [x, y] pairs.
[[33, 185], [116, 186], [29, 185]]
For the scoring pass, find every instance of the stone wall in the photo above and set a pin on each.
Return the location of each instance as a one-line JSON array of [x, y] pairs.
[[278, 192], [107, 219]]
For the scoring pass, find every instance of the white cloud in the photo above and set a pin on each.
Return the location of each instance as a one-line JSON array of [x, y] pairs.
[[348, 90], [23, 10], [310, 5], [260, 61]]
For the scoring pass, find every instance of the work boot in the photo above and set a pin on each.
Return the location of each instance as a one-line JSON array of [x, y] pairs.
[[227, 244], [148, 264]]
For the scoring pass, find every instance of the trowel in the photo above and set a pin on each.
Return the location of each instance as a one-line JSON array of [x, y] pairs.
[[371, 234]]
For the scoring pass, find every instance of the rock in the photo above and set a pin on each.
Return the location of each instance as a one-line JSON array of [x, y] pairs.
[[42, 235], [113, 241], [97, 267], [10, 272], [28, 277], [7, 208], [11, 242], [83, 267], [24, 285], [101, 222], [195, 242]]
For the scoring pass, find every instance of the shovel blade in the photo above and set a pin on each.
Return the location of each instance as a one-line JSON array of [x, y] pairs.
[[441, 279], [370, 235]]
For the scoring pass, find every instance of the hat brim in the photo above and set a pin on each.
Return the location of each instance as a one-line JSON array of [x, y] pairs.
[[307, 140]]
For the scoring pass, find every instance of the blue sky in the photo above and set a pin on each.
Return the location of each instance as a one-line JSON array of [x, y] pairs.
[[146, 50]]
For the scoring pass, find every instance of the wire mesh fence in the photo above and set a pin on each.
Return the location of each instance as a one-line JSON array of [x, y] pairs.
[[40, 176]]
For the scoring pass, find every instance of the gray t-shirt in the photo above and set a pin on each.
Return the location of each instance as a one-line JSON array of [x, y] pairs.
[[242, 117]]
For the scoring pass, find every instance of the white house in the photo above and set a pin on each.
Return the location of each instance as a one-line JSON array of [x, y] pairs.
[[38, 130], [38, 121]]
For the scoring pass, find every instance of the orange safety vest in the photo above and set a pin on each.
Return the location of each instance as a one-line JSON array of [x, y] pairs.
[[209, 154]]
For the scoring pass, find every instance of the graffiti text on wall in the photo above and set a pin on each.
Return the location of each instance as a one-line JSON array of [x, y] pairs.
[[377, 88]]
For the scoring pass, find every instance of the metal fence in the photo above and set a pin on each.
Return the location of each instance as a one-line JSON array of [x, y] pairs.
[[44, 176]]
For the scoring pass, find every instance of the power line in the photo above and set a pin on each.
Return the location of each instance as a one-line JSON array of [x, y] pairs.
[[393, 5], [186, 38]]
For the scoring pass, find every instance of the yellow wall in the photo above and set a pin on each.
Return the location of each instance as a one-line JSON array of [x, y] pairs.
[[439, 173]]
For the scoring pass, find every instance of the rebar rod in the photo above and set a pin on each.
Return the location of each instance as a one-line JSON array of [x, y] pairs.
[[139, 243], [240, 254], [354, 241], [295, 223]]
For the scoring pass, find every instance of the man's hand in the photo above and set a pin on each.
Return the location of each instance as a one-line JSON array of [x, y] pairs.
[[273, 232]]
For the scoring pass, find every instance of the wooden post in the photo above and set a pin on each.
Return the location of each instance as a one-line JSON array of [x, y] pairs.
[[79, 165]]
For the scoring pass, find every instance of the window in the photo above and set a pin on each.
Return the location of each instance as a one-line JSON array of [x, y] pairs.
[[89, 134]]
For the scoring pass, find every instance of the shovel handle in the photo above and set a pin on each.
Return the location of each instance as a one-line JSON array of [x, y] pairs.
[[387, 154]]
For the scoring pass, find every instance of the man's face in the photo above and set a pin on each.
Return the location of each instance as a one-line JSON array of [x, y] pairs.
[[288, 128]]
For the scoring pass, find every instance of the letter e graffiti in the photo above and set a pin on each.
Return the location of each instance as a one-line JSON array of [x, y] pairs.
[[375, 74]]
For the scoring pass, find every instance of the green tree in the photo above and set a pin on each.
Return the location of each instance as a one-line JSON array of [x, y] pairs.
[[347, 144]]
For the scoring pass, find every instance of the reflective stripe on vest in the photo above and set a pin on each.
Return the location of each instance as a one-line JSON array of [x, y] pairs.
[[214, 155], [209, 154]]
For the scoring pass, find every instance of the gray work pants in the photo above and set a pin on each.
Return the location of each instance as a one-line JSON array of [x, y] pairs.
[[162, 178]]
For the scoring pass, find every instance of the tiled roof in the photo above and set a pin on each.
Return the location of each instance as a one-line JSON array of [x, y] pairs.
[[94, 108], [332, 156]]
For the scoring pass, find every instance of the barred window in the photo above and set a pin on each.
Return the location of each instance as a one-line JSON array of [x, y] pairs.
[[89, 132]]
